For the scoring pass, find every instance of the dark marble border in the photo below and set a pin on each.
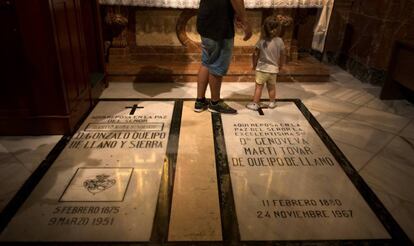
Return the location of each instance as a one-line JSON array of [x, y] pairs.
[[229, 224], [162, 214]]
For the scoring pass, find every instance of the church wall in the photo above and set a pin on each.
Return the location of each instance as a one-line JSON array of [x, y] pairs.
[[157, 27], [362, 34], [149, 32]]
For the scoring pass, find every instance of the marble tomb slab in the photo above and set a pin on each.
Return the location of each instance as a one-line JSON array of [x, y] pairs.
[[104, 185], [286, 183]]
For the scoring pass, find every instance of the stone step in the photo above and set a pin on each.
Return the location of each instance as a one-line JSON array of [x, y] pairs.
[[169, 54], [169, 57], [307, 69]]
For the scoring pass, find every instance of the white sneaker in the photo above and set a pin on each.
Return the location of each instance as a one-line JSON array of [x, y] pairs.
[[272, 104], [253, 106]]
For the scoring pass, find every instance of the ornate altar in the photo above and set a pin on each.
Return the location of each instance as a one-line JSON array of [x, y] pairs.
[[156, 40]]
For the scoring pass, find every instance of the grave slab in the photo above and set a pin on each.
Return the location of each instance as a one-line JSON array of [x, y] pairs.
[[104, 185], [286, 183]]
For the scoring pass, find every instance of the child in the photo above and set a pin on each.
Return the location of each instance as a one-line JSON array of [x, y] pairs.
[[268, 60]]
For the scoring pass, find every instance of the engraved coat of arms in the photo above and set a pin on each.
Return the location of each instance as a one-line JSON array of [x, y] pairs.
[[100, 183]]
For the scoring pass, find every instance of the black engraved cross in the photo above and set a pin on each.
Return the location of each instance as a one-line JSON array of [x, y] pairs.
[[133, 108]]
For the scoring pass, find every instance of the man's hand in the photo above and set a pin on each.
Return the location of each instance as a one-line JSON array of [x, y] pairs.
[[245, 26], [241, 18], [247, 31], [238, 22]]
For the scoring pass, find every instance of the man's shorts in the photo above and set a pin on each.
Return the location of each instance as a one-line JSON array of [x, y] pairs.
[[216, 55], [263, 78]]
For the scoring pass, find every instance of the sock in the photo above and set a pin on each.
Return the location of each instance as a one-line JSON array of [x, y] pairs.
[[213, 102], [201, 99]]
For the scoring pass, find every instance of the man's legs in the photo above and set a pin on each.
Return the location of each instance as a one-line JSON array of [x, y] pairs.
[[215, 58], [201, 103], [202, 82], [215, 87], [205, 78]]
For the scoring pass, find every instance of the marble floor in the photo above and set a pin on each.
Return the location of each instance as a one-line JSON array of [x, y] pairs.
[[376, 136]]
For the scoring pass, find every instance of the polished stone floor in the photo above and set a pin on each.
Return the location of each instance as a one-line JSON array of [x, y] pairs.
[[376, 136]]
